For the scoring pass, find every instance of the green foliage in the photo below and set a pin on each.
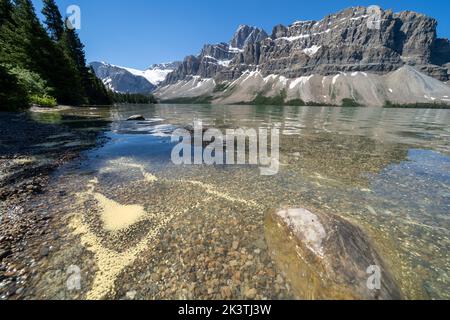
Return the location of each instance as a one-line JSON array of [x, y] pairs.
[[280, 100], [419, 105], [95, 89], [31, 81], [295, 102], [275, 101], [5, 10], [190, 100], [12, 95], [221, 87], [43, 100], [56, 57], [53, 20], [350, 103], [34, 88], [117, 97]]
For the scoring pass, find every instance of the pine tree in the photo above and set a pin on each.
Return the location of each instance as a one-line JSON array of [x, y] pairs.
[[38, 53], [94, 88], [53, 20], [5, 11], [56, 57], [75, 48]]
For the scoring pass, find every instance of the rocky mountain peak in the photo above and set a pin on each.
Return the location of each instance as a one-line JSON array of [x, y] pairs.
[[245, 35], [165, 66], [356, 46]]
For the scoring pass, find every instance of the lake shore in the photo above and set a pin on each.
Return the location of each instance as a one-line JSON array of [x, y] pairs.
[[137, 226], [30, 151]]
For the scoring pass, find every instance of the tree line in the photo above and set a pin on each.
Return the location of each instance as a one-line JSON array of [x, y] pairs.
[[45, 63], [132, 98]]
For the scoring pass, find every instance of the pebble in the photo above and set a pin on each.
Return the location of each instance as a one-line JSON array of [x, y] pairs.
[[279, 279], [4, 253], [226, 292], [131, 295], [44, 251], [251, 293]]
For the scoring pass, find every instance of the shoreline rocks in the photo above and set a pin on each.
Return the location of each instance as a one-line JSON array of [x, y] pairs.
[[136, 118], [26, 167], [327, 257]]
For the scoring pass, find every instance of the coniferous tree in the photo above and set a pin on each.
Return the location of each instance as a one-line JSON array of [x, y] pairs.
[[53, 20], [25, 43], [12, 94], [75, 47], [94, 88], [57, 57], [5, 10]]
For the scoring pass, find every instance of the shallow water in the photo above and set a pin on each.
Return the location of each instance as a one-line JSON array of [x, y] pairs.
[[387, 170]]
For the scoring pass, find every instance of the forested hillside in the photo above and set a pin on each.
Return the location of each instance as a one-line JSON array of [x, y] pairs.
[[43, 64]]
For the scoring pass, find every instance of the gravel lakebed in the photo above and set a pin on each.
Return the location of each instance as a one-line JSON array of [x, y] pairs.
[[92, 208]]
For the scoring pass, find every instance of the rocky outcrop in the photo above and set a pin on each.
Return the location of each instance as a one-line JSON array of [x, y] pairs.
[[215, 59], [365, 40], [246, 35], [327, 257], [346, 42]]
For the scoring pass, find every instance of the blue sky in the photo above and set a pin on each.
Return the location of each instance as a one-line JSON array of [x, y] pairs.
[[138, 33]]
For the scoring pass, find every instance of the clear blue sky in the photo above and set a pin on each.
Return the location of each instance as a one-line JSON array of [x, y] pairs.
[[138, 33]]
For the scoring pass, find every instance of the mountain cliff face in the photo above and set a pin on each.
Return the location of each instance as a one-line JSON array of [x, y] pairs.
[[216, 59], [356, 41], [128, 80]]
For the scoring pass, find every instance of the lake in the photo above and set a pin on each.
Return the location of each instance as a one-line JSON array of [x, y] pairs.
[[136, 225]]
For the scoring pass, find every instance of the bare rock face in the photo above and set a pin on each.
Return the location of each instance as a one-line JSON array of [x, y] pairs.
[[346, 42], [341, 42], [365, 46], [246, 35], [215, 59], [441, 52], [327, 257]]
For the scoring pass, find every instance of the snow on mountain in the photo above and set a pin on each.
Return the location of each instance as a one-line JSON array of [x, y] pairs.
[[155, 74], [130, 80]]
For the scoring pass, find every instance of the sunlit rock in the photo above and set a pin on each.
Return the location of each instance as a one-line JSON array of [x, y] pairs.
[[327, 257]]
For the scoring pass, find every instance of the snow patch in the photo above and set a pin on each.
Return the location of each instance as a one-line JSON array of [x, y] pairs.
[[294, 38], [235, 50], [312, 50], [303, 22], [224, 63], [154, 76]]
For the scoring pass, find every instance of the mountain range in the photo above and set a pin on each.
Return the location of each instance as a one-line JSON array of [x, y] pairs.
[[129, 80], [368, 55]]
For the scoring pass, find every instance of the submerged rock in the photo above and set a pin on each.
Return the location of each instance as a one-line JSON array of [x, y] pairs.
[[136, 118], [327, 257]]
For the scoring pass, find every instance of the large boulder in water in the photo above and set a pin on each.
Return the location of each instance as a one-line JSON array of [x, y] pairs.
[[327, 257]]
